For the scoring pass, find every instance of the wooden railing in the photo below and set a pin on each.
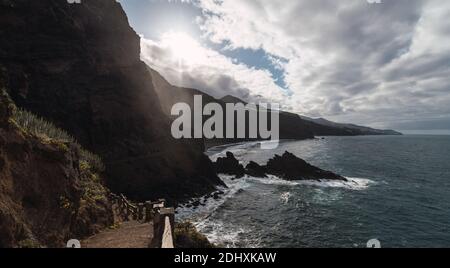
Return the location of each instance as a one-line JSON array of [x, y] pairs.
[[164, 224], [167, 238], [163, 218]]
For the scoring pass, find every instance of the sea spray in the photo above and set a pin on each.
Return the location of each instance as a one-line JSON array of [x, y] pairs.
[[231, 235]]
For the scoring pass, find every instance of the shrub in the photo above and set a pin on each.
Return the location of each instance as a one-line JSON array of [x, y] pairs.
[[29, 243], [94, 161], [40, 127], [187, 236]]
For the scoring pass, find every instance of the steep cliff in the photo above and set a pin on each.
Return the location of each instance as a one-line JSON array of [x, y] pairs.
[[49, 193], [79, 66], [292, 126]]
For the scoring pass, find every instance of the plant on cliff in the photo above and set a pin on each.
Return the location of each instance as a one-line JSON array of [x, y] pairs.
[[90, 164], [94, 194], [187, 236], [48, 132], [39, 127], [57, 170]]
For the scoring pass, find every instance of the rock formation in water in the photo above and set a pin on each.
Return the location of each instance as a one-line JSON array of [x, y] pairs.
[[290, 167], [287, 166], [229, 165], [255, 170], [78, 65]]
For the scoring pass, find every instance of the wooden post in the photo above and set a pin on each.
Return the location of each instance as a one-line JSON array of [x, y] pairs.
[[158, 206], [120, 205], [140, 212], [148, 211], [134, 212], [169, 212], [167, 238], [127, 212], [160, 227]]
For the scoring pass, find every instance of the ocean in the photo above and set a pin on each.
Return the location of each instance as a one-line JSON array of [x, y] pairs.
[[398, 193]]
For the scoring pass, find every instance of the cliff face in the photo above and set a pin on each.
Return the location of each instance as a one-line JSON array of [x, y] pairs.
[[292, 126], [79, 66], [46, 195]]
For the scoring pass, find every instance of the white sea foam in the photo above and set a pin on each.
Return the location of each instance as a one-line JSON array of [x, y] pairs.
[[230, 235], [226, 234], [217, 231], [356, 184], [239, 150], [208, 204], [285, 197]]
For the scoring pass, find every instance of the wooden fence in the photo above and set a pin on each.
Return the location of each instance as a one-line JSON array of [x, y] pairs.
[[163, 218]]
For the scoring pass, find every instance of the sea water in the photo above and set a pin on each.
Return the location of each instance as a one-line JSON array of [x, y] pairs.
[[398, 192]]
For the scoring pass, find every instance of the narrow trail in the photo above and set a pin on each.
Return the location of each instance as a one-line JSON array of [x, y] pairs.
[[136, 226], [132, 234]]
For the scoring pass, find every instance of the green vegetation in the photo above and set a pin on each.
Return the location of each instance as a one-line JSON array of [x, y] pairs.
[[29, 243], [48, 132], [40, 127], [94, 161], [90, 165], [187, 236], [93, 190]]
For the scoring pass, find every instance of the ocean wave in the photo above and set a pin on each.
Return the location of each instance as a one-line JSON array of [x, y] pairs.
[[207, 204], [217, 231], [285, 197], [226, 234], [239, 150], [231, 235], [356, 184]]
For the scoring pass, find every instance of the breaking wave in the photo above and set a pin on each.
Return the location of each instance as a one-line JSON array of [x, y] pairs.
[[356, 184], [229, 235]]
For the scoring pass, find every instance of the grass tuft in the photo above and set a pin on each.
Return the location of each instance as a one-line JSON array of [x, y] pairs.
[[40, 127], [47, 131]]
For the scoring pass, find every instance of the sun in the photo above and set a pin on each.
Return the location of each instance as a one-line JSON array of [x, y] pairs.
[[183, 47]]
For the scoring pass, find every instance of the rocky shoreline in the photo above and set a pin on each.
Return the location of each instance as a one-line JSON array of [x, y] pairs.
[[288, 167]]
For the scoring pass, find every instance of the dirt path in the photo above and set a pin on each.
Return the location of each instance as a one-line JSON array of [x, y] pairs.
[[131, 234]]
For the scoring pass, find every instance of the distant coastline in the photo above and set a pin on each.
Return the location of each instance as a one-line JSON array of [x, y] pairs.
[[436, 132]]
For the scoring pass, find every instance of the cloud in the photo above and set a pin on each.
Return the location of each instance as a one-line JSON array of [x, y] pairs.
[[376, 64], [186, 62]]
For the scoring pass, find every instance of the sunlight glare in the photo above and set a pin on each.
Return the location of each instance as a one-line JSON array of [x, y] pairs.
[[183, 47]]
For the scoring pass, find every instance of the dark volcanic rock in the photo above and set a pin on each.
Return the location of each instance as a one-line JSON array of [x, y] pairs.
[[255, 170], [229, 165], [290, 167], [79, 66]]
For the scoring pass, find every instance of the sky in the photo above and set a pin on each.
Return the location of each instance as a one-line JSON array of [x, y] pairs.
[[384, 65]]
